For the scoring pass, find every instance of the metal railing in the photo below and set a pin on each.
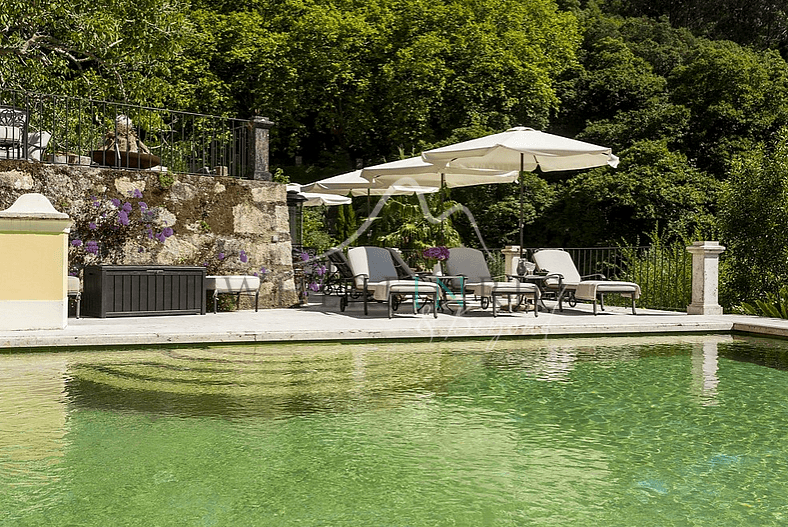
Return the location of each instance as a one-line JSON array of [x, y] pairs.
[[183, 142]]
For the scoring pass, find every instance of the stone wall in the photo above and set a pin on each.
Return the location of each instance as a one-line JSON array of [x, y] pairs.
[[230, 226]]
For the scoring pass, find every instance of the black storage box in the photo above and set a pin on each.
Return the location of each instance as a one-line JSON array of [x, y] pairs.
[[140, 290]]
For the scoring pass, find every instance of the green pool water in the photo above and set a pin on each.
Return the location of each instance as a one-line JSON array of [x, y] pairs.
[[602, 432]]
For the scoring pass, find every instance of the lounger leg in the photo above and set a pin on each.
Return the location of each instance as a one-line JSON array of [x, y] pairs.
[[256, 298], [215, 296], [435, 304], [536, 303], [390, 300], [79, 301], [594, 306], [632, 296], [602, 301], [492, 301], [561, 298]]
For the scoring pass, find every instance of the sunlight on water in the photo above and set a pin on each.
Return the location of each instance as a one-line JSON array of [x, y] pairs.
[[617, 431]]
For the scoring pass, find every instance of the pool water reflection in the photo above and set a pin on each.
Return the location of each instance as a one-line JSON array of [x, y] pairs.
[[617, 431]]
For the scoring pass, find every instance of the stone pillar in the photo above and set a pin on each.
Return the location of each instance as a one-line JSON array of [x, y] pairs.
[[511, 257], [33, 265], [705, 278], [259, 147]]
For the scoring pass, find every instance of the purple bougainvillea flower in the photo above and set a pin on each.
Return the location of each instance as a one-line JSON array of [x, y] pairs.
[[243, 256], [141, 250], [115, 202], [127, 207], [123, 217], [304, 256], [263, 270], [103, 214], [92, 226], [167, 232], [220, 256], [137, 193], [92, 247], [314, 286], [143, 206], [321, 270], [76, 243], [255, 274]]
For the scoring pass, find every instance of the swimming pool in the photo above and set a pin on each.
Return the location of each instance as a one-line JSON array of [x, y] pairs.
[[677, 430]]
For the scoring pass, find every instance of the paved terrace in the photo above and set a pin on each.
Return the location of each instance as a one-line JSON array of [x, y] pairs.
[[322, 321]]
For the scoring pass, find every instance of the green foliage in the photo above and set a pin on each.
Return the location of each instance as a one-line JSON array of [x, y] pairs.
[[363, 78], [663, 270], [315, 233], [737, 97], [113, 49], [346, 223], [774, 305], [402, 224], [654, 189], [753, 218]]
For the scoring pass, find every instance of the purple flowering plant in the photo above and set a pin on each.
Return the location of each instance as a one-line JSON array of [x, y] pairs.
[[109, 223], [439, 253]]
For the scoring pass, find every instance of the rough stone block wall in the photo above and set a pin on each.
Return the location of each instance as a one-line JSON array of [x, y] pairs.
[[228, 225]]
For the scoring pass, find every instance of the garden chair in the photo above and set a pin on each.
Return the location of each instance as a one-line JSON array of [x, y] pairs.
[[571, 285], [375, 277], [470, 264], [16, 140]]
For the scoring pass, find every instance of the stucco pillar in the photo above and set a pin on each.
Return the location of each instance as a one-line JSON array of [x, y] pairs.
[[260, 148], [705, 278], [33, 264]]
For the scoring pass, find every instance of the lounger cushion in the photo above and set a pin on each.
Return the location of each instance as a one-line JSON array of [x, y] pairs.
[[381, 290], [589, 289], [73, 284], [500, 288], [232, 283], [10, 133]]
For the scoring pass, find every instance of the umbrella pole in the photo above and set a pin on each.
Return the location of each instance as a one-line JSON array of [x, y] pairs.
[[520, 177], [443, 182]]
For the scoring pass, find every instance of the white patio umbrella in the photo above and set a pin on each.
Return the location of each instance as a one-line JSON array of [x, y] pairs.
[[523, 149], [315, 199], [354, 184], [435, 175]]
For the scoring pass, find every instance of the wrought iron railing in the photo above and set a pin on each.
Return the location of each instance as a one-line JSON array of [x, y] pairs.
[[183, 142]]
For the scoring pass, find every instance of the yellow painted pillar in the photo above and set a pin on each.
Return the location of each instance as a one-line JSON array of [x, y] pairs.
[[33, 265]]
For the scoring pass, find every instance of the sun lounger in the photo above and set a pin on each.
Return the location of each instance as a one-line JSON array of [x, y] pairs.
[[375, 276], [470, 264], [573, 286]]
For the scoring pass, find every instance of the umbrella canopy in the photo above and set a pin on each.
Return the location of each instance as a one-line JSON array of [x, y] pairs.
[[354, 184], [434, 175], [523, 149], [314, 199]]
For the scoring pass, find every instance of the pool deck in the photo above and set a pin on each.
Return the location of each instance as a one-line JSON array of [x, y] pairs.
[[322, 321]]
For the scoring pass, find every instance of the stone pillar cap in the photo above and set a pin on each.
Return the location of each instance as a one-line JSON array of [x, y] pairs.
[[706, 247], [33, 205]]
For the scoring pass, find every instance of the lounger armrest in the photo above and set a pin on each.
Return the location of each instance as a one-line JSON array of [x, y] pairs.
[[596, 276]]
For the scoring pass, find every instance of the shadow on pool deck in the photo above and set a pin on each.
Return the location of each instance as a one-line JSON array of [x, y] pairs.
[[322, 320]]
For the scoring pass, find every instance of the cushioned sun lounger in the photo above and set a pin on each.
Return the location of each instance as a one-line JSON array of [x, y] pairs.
[[375, 276], [470, 264], [573, 286]]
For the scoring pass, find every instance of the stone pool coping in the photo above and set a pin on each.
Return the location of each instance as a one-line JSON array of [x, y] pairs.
[[324, 322]]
